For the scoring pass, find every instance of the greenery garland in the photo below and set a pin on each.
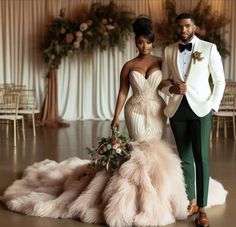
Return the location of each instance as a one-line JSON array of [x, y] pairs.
[[209, 25], [104, 26]]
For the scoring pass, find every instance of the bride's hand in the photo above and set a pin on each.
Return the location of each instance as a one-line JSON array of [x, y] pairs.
[[115, 123]]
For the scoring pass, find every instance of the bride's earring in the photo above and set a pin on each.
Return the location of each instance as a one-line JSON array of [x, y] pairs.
[[136, 50]]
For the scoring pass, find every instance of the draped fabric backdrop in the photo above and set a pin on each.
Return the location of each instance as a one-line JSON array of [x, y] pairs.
[[87, 85]]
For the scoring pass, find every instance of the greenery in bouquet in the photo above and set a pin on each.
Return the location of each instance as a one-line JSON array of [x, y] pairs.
[[103, 26], [111, 152], [209, 25]]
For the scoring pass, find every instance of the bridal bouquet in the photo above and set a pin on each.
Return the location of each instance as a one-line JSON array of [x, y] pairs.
[[111, 152]]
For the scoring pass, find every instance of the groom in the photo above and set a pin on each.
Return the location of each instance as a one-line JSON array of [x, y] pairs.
[[187, 65]]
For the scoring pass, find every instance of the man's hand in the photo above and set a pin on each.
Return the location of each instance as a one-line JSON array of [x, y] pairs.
[[179, 88]]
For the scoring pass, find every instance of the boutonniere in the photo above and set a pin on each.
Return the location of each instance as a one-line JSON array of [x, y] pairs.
[[197, 56]]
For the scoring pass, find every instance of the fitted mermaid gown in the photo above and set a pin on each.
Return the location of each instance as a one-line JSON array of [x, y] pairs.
[[147, 190]]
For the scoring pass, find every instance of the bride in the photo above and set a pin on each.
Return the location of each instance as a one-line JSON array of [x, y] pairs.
[[147, 190]]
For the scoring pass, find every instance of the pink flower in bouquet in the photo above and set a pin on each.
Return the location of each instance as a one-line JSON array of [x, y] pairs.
[[76, 44], [63, 30], [69, 37], [83, 27], [110, 27], [115, 146], [79, 39], [69, 53]]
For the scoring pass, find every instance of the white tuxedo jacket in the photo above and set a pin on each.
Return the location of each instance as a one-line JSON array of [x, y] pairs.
[[199, 95]]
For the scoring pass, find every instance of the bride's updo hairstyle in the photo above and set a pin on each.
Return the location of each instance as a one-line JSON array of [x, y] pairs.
[[142, 26]]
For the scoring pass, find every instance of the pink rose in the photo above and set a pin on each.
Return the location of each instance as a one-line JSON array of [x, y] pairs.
[[83, 27], [110, 27], [63, 30], [69, 53], [79, 39], [69, 37], [76, 45]]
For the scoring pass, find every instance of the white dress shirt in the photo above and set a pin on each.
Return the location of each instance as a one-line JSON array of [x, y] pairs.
[[185, 58]]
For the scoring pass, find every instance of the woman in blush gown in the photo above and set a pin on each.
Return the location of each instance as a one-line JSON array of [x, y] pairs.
[[147, 190]]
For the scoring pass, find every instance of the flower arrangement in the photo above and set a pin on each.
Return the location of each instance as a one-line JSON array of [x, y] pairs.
[[104, 26], [111, 152], [208, 24], [197, 56]]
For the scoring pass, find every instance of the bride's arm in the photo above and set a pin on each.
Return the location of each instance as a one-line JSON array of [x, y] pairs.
[[123, 92]]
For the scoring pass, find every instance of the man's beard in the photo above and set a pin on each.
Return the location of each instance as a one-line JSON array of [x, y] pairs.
[[186, 40]]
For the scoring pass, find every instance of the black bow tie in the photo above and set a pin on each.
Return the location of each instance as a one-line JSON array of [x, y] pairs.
[[182, 47]]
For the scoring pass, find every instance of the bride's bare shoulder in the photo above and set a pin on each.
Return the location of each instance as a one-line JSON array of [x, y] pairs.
[[157, 61], [129, 64]]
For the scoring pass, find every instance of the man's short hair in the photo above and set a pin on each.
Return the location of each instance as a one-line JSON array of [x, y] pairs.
[[184, 16]]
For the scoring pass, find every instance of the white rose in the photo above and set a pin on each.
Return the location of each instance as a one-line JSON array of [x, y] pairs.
[[83, 27], [118, 151], [115, 146], [110, 27], [79, 34], [76, 45]]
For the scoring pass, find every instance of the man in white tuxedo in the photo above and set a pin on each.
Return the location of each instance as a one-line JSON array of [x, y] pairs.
[[187, 66]]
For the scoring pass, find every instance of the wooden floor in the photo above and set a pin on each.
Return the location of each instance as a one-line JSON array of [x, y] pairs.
[[62, 143]]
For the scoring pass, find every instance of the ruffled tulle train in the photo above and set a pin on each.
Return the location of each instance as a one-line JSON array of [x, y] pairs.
[[148, 190]]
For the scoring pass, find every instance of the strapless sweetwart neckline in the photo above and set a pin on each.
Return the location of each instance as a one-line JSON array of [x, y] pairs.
[[143, 75]]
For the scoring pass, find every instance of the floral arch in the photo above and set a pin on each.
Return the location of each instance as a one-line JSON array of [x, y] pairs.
[[102, 26]]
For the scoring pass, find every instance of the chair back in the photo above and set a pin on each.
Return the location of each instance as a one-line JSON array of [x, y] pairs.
[[27, 100], [228, 103], [9, 103], [230, 87]]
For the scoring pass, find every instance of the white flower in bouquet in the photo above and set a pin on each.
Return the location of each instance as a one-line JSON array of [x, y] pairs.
[[110, 27], [118, 151], [76, 44], [83, 27], [79, 34]]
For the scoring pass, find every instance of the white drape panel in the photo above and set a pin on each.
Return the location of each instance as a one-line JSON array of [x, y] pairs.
[[87, 85]]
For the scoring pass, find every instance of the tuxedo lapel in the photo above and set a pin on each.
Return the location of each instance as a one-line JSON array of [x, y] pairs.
[[192, 65], [176, 62]]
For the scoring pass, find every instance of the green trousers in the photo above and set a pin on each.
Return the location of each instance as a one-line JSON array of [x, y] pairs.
[[192, 136]]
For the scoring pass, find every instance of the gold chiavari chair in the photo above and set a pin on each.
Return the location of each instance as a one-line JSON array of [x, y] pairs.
[[27, 105], [9, 112], [230, 87], [227, 111], [7, 85], [18, 87]]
